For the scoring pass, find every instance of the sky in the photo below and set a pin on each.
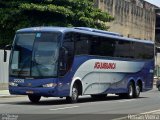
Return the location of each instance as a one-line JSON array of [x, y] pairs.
[[155, 2]]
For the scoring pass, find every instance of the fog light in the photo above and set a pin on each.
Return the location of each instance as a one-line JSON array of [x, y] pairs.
[[13, 84]]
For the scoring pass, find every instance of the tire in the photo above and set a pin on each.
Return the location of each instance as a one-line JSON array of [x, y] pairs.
[[137, 91], [74, 97], [34, 98], [99, 96], [159, 87], [131, 91]]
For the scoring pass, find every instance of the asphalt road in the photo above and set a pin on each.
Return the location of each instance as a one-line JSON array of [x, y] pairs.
[[86, 109]]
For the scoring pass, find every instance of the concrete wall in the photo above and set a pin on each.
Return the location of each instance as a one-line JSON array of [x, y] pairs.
[[4, 71], [133, 18]]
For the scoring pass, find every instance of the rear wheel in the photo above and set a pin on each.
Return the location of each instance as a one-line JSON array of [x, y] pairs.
[[137, 91], [130, 92], [74, 96], [34, 98]]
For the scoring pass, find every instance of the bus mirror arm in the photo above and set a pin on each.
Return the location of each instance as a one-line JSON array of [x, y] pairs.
[[7, 47]]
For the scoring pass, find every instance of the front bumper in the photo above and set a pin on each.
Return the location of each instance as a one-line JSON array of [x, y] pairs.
[[46, 92]]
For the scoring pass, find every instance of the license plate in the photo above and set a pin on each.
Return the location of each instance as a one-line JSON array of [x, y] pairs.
[[29, 92]]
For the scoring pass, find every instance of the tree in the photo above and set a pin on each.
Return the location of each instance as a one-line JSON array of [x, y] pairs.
[[16, 14]]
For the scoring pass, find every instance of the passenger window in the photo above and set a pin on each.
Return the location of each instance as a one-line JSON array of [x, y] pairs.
[[67, 56]]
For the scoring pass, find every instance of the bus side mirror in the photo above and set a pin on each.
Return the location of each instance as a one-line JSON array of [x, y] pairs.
[[7, 47]]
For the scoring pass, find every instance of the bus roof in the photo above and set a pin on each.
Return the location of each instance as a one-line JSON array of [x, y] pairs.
[[84, 30]]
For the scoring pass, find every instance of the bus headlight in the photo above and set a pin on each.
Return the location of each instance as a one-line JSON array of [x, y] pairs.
[[50, 85], [13, 84]]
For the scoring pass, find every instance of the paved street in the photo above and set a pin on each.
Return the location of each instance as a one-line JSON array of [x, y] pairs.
[[111, 108]]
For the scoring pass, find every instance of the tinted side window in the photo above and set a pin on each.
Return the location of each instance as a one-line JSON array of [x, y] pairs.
[[82, 44], [102, 46], [143, 51], [124, 49], [149, 51]]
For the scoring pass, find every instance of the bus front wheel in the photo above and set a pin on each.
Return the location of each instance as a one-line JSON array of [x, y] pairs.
[[34, 98], [74, 96]]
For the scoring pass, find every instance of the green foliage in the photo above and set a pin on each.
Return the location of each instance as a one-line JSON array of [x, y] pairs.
[[16, 14]]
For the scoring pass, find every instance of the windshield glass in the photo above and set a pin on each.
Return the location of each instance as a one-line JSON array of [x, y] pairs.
[[35, 54]]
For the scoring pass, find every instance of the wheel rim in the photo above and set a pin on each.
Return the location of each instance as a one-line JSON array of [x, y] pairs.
[[130, 91], [74, 94]]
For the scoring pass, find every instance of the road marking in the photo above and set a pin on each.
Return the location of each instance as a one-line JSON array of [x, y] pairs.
[[151, 112], [121, 118], [126, 100], [70, 107], [136, 115]]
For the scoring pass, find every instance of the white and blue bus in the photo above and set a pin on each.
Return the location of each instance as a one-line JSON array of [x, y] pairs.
[[69, 62]]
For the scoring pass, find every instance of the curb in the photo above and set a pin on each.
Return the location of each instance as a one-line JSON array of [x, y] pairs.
[[10, 96], [6, 94]]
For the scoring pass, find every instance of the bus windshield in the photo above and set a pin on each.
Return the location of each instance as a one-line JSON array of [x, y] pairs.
[[35, 55]]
